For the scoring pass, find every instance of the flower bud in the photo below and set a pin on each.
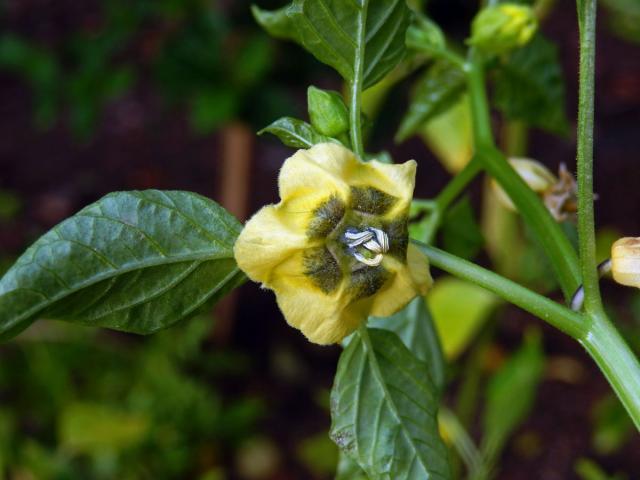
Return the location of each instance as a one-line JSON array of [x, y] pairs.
[[327, 111], [625, 261], [536, 175], [502, 28], [562, 198]]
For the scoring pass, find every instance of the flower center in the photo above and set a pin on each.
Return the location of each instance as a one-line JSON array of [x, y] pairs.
[[367, 246]]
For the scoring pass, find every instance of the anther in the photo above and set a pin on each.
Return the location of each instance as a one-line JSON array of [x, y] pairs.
[[373, 246], [382, 238], [358, 237], [373, 239]]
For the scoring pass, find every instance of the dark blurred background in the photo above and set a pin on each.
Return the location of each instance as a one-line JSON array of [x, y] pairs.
[[97, 96]]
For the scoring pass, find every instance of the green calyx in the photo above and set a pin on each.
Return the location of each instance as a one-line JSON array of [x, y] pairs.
[[327, 111], [501, 28]]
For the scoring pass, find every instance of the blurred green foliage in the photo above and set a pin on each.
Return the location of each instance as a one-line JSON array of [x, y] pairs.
[[504, 411], [79, 404], [191, 53], [589, 470], [624, 18]]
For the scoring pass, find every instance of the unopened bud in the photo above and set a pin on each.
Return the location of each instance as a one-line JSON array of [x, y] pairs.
[[327, 111], [534, 174], [503, 27], [625, 261]]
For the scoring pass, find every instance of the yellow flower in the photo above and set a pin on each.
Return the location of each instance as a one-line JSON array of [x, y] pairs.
[[335, 249], [625, 261]]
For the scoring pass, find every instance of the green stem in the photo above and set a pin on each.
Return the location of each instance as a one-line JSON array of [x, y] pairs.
[[618, 363], [603, 342], [447, 195], [483, 136], [355, 130], [451, 57], [515, 138], [586, 233], [548, 233], [553, 313], [457, 184], [596, 333]]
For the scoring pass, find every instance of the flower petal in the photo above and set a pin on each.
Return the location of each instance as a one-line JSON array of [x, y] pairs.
[[266, 241], [409, 280], [625, 261], [329, 168], [323, 318], [397, 180], [316, 171]]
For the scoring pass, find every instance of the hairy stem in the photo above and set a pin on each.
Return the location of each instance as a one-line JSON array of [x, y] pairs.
[[603, 342], [587, 242], [547, 231]]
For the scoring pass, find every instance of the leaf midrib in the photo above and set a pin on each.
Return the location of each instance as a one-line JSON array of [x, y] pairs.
[[126, 306], [105, 276], [377, 373], [291, 133]]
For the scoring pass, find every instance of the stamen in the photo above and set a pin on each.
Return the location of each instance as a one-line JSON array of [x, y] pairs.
[[382, 238], [378, 245], [373, 246], [358, 237]]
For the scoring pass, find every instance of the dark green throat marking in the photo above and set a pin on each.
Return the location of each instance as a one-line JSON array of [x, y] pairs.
[[367, 281], [398, 233], [334, 261], [371, 200], [326, 217], [322, 268]]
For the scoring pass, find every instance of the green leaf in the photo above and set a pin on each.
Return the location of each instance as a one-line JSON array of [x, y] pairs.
[[459, 308], [461, 234], [450, 137], [276, 22], [132, 261], [295, 133], [414, 325], [384, 410], [511, 393], [439, 89], [348, 469], [360, 38], [425, 36], [529, 86]]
